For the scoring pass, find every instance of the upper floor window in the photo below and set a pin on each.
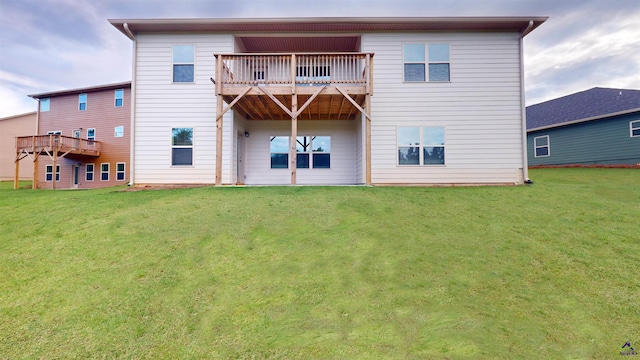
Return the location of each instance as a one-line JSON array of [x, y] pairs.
[[45, 104], [421, 145], [426, 62], [541, 146], [634, 128], [119, 97], [91, 134], [82, 102], [182, 146], [183, 63], [118, 131], [56, 132]]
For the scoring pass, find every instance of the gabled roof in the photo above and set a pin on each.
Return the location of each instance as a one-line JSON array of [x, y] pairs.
[[120, 85], [524, 25], [583, 106]]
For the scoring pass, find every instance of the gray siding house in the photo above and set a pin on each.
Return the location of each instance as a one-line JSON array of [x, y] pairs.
[[599, 126]]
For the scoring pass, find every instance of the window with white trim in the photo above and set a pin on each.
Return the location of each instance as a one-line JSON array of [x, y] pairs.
[[91, 134], [279, 150], [118, 131], [634, 128], [183, 63], [181, 146], [82, 102], [119, 97], [541, 146], [45, 104], [421, 145], [313, 152], [426, 62], [120, 171], [56, 132], [88, 172], [48, 171], [104, 172]]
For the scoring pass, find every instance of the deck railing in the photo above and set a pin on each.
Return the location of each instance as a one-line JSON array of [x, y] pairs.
[[347, 69], [55, 142]]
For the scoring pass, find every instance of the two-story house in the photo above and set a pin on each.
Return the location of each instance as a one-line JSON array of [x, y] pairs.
[[376, 101], [82, 138]]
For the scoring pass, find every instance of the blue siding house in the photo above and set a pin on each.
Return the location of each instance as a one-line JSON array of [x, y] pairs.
[[599, 126]]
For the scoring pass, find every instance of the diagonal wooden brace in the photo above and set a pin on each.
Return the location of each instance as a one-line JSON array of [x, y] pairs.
[[289, 112], [233, 102], [353, 102]]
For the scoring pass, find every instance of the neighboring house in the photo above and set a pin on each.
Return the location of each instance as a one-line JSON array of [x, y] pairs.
[[82, 138], [599, 126], [10, 127], [328, 100]]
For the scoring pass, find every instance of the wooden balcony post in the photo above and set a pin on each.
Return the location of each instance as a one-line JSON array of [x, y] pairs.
[[367, 108], [15, 180], [219, 103], [34, 183], [294, 120]]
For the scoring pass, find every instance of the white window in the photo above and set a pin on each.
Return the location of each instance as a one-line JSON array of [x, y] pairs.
[[313, 152], [541, 145], [426, 62], [104, 172], [120, 170], [183, 63], [119, 97], [421, 145], [279, 149], [118, 131], [634, 128], [91, 134], [82, 102], [89, 170], [56, 132], [182, 146], [49, 173], [45, 104]]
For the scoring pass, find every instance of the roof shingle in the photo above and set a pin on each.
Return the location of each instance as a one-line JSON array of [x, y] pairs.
[[595, 102]]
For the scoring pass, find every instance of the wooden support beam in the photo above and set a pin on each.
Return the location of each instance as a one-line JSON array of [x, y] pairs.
[[17, 176], [304, 106], [367, 160], [278, 102], [294, 135], [266, 108], [233, 102], [354, 102]]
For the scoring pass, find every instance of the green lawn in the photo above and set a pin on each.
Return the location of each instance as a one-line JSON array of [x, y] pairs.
[[550, 270]]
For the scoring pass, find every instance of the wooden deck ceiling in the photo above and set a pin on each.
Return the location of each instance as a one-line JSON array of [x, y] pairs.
[[328, 105]]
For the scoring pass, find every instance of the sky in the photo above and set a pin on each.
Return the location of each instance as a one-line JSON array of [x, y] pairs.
[[50, 45]]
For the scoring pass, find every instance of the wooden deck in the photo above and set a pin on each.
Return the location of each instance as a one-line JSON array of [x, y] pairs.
[[263, 84], [58, 145], [53, 145]]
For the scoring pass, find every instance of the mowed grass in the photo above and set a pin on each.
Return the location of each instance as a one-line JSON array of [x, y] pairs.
[[550, 270]]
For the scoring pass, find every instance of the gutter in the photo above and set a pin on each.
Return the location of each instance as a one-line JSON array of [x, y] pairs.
[[132, 123], [523, 109]]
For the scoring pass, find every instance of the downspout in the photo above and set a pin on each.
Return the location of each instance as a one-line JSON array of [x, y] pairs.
[[523, 109], [132, 123]]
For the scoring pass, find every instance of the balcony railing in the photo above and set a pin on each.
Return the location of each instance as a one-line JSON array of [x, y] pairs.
[[57, 143], [337, 69]]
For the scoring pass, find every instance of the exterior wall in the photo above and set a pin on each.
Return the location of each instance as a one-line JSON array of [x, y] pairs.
[[162, 105], [343, 153], [10, 128], [606, 142], [480, 109], [101, 114]]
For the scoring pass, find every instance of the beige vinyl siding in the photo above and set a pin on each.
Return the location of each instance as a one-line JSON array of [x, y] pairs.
[[343, 153], [162, 105], [479, 108]]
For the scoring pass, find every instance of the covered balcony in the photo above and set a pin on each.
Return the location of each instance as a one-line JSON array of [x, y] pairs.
[[263, 86]]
